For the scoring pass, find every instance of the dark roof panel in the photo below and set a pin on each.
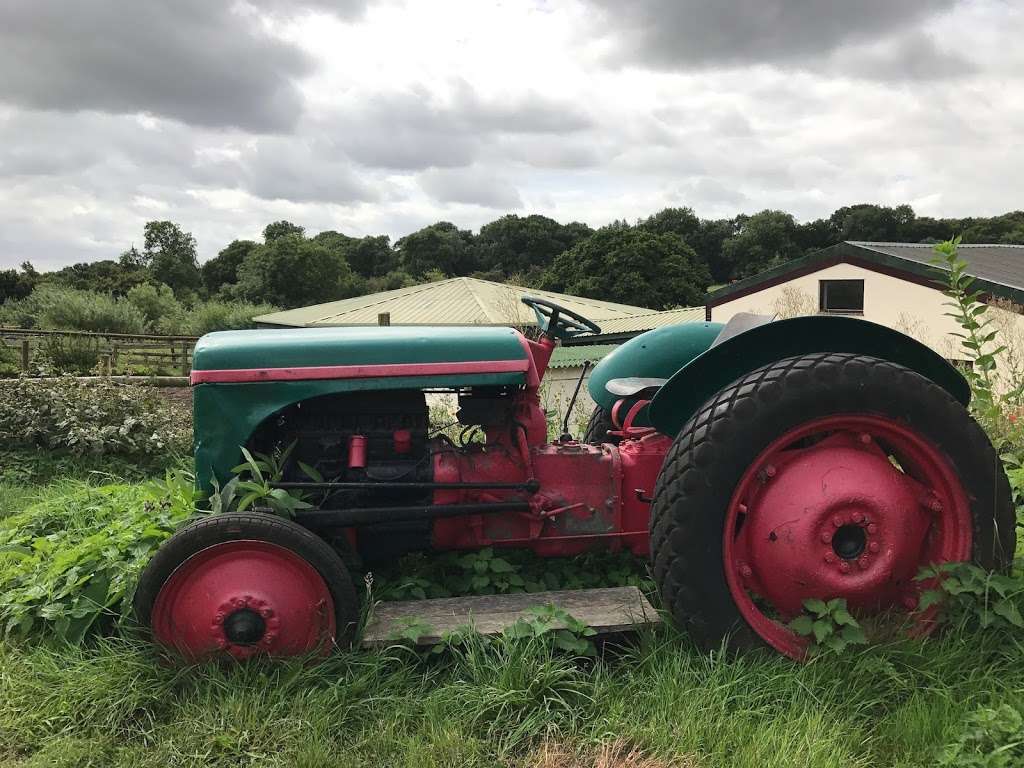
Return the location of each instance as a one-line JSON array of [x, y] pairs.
[[1002, 264]]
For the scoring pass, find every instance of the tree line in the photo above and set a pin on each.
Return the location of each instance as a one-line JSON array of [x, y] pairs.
[[666, 260]]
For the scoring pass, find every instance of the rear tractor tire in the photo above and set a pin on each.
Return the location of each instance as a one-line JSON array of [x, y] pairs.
[[822, 476], [246, 584]]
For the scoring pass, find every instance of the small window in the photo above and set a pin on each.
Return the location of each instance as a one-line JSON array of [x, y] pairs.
[[842, 296]]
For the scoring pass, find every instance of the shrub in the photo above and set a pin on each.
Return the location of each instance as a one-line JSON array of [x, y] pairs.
[[91, 418], [69, 309], [72, 560], [217, 315], [158, 306]]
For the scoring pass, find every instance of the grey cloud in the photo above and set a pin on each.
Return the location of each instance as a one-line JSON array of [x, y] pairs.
[[473, 186], [911, 57], [199, 61], [415, 129], [290, 169], [679, 34]]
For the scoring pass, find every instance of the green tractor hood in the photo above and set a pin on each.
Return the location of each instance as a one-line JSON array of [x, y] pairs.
[[242, 378]]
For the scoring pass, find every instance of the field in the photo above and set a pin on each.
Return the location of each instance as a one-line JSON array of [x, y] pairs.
[[654, 701]]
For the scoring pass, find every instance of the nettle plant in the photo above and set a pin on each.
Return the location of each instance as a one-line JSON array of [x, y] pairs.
[[829, 625]]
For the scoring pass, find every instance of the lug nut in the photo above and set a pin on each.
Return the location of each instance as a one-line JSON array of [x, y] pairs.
[[829, 557], [865, 438], [872, 528], [862, 563], [826, 537], [266, 613], [837, 521], [844, 567], [874, 546], [770, 470], [857, 517]]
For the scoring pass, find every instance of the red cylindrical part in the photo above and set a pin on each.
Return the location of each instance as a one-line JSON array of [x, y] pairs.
[[403, 441], [357, 452]]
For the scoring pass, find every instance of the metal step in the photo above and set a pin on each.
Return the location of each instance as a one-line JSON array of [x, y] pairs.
[[607, 611]]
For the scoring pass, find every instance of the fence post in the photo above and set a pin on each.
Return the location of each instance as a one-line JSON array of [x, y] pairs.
[[24, 355], [184, 359]]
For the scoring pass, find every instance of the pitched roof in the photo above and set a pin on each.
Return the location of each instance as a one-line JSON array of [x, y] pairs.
[[998, 269], [571, 357], [456, 301]]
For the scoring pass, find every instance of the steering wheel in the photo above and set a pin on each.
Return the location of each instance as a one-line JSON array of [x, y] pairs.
[[557, 321]]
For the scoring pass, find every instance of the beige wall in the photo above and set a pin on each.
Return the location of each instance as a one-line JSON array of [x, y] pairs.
[[913, 309]]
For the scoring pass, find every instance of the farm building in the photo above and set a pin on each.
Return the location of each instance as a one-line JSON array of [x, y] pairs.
[[893, 284]]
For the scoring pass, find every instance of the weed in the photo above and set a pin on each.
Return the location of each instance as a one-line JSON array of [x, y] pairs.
[[829, 625]]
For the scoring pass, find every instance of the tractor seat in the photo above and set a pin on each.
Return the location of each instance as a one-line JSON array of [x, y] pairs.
[[634, 386]]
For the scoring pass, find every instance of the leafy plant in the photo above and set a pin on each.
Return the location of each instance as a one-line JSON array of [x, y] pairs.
[[71, 561], [562, 629], [972, 597], [417, 577], [253, 485], [98, 418], [829, 625], [991, 738]]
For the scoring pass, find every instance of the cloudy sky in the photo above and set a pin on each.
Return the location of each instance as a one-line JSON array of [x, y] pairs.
[[381, 116]]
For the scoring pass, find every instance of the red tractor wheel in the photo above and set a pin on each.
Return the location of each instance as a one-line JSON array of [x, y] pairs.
[[243, 585], [822, 476]]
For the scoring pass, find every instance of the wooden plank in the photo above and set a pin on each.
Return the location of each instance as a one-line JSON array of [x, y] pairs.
[[607, 610]]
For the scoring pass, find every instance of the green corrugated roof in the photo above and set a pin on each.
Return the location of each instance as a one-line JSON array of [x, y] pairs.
[[456, 301], [571, 357], [650, 320]]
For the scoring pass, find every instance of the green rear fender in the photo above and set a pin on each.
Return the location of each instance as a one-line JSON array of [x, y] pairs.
[[656, 354], [709, 372]]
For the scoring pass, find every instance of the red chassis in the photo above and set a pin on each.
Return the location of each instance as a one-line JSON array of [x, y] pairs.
[[588, 496]]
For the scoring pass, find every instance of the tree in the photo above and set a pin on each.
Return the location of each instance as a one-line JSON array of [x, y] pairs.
[[368, 256], [17, 285], [169, 253], [222, 269], [441, 246], [762, 241], [878, 223], [631, 265], [371, 256], [673, 221], [514, 244], [291, 271], [280, 229], [106, 276]]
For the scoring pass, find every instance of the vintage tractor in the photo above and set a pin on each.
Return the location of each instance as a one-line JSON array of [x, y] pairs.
[[758, 464]]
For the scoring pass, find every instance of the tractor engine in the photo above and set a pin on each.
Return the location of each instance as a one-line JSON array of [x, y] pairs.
[[368, 463]]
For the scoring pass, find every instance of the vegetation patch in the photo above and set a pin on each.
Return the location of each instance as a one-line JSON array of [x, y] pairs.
[[92, 418]]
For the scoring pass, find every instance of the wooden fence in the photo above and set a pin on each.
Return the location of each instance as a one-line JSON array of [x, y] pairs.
[[113, 352]]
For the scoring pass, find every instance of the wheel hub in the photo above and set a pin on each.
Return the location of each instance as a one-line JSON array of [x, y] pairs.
[[849, 542], [244, 627]]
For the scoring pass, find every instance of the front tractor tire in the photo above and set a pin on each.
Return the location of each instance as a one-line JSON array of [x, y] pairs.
[[246, 584], [821, 476], [598, 425]]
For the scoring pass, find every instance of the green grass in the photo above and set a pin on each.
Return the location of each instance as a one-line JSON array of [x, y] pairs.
[[116, 703]]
